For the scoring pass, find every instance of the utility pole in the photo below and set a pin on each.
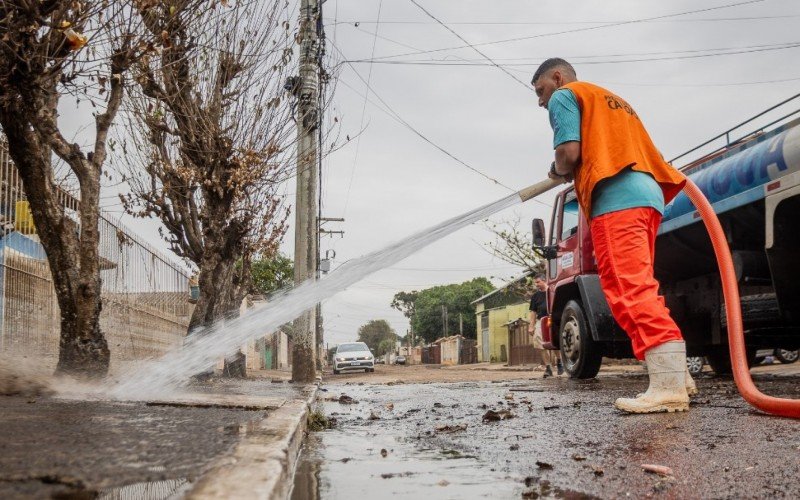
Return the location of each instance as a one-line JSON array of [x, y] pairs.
[[305, 236], [444, 320], [460, 325]]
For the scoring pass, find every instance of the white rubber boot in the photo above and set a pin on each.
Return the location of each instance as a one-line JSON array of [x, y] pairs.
[[691, 387], [666, 366]]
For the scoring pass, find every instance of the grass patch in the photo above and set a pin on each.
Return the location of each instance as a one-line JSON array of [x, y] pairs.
[[318, 421]]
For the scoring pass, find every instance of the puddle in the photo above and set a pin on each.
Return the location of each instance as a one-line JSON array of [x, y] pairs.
[[348, 464], [400, 454]]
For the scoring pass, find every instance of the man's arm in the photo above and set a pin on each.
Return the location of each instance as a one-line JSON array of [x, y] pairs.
[[565, 118], [568, 158], [532, 324]]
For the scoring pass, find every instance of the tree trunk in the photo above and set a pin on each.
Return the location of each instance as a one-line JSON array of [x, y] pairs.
[[219, 294], [71, 250], [220, 297], [83, 347]]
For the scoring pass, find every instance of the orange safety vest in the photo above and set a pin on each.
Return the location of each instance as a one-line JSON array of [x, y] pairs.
[[613, 138]]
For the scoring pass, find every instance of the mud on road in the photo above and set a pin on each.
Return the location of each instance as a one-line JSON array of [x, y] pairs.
[[562, 439]]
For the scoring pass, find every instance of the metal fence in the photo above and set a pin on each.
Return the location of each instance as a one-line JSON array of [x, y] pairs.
[[145, 293]]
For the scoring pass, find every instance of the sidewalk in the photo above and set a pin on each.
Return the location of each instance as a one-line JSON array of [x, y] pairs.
[[224, 439]]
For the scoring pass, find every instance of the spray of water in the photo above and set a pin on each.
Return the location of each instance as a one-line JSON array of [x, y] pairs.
[[160, 378]]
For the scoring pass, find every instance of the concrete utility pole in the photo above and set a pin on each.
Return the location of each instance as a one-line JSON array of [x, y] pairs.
[[444, 320], [305, 236]]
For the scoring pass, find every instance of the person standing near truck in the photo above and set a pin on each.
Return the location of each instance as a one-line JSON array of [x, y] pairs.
[[538, 310], [622, 183]]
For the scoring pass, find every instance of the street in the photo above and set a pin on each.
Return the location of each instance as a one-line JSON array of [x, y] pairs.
[[561, 438]]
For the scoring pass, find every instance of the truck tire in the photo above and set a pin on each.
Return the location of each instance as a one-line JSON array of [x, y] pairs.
[[786, 356], [719, 359], [580, 354]]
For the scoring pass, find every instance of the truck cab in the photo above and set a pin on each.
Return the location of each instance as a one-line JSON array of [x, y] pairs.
[[754, 186]]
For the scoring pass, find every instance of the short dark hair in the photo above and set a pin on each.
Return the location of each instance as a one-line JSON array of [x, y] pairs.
[[540, 277], [552, 63]]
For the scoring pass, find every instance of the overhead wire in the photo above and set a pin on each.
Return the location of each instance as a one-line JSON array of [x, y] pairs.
[[723, 84], [511, 66], [393, 114], [567, 23], [578, 30], [448, 28], [363, 112], [572, 57]]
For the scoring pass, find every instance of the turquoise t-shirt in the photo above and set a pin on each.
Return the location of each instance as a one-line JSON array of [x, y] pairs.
[[627, 189], [565, 117]]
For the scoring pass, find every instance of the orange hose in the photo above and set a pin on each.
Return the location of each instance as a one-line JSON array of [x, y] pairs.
[[730, 289]]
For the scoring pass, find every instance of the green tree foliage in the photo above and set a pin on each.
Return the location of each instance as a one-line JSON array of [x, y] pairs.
[[426, 308], [271, 274], [386, 345], [378, 335], [404, 302]]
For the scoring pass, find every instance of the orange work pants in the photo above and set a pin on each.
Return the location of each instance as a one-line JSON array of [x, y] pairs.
[[624, 245]]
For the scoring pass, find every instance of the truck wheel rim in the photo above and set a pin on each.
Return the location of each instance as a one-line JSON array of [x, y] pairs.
[[571, 342]]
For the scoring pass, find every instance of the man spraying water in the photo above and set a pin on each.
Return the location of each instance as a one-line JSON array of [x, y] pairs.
[[622, 183]]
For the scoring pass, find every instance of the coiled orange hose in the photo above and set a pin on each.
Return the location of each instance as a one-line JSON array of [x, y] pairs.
[[741, 372]]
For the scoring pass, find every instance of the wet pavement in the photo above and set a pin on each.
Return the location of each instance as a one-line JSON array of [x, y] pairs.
[[563, 440], [87, 448]]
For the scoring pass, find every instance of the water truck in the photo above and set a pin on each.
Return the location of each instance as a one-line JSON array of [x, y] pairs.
[[753, 185]]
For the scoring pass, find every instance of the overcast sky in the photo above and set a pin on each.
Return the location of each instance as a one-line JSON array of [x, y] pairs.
[[689, 74], [389, 182]]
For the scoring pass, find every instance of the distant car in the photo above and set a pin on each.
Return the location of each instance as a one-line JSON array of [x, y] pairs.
[[353, 356], [783, 355], [400, 360]]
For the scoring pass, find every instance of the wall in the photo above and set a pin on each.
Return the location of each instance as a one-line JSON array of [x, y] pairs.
[[498, 332]]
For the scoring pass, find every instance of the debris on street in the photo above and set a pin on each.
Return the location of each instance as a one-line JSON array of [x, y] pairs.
[[347, 400], [494, 416], [444, 429], [661, 470]]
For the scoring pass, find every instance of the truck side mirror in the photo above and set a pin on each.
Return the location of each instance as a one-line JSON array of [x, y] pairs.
[[537, 228], [546, 252]]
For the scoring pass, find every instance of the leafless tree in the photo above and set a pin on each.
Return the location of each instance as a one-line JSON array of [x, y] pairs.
[[50, 49], [212, 135], [515, 246]]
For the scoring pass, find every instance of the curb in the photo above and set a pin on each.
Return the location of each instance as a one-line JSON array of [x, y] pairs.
[[262, 464]]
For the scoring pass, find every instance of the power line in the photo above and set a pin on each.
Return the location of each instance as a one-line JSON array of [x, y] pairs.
[[568, 23], [387, 39], [448, 28], [363, 111], [726, 84], [393, 114], [512, 66], [579, 30], [573, 57]]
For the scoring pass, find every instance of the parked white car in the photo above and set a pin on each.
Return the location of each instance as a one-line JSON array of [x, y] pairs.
[[353, 356]]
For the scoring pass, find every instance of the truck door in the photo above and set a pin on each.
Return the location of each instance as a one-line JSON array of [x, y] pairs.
[[564, 235]]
